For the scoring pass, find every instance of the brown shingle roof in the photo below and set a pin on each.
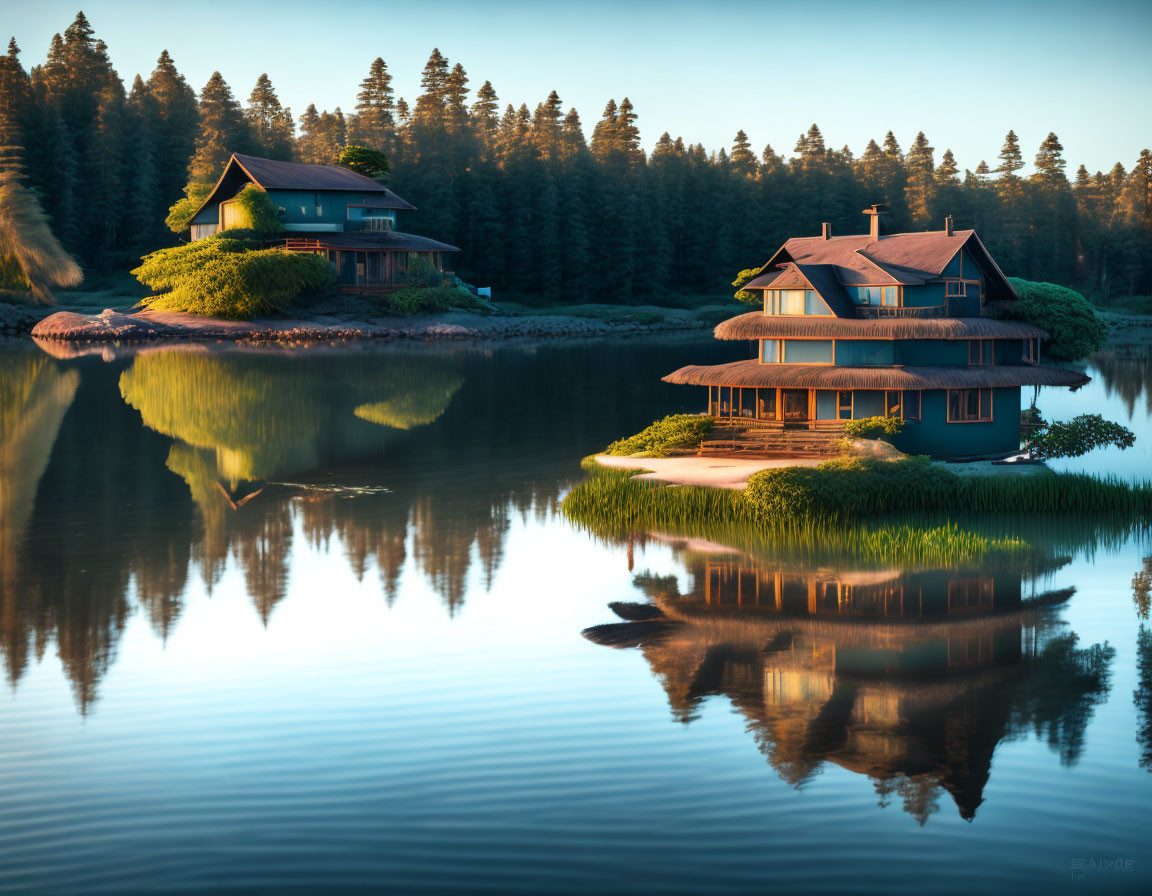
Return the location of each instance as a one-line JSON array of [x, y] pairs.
[[274, 175], [907, 259], [757, 325], [752, 373]]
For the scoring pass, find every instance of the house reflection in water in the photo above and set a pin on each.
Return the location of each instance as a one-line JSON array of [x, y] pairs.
[[909, 677]]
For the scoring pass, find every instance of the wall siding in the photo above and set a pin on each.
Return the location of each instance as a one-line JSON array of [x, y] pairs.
[[934, 435]]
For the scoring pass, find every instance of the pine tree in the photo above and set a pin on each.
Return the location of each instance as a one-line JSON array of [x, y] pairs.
[[456, 98], [375, 125], [892, 148], [271, 124], [1050, 162], [627, 134], [178, 122], [433, 84], [605, 136], [1010, 159], [484, 112], [742, 160], [223, 131], [947, 171]]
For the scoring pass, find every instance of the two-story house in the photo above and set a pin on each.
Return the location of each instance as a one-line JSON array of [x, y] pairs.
[[860, 326], [328, 210]]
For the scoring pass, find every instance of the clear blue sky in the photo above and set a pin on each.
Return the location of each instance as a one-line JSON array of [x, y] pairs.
[[963, 72]]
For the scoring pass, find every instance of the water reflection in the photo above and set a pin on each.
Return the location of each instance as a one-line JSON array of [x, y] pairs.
[[910, 677], [1126, 372], [123, 477]]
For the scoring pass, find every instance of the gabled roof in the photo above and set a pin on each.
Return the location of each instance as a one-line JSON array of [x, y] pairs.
[[819, 277], [908, 259], [269, 174]]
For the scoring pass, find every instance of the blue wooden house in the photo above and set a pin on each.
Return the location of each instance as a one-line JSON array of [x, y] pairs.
[[328, 210], [909, 325]]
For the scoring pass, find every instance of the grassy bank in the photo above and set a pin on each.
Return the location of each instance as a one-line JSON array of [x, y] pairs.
[[847, 510], [612, 504]]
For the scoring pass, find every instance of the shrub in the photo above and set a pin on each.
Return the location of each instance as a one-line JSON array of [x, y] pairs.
[[874, 427], [1079, 436], [744, 295], [421, 272], [364, 160], [220, 277], [674, 431], [429, 300], [1073, 328]]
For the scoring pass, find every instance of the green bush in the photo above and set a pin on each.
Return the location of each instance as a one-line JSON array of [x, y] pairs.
[[364, 160], [1073, 328], [1079, 436], [744, 295], [221, 277], [874, 428], [429, 300], [421, 272], [674, 431]]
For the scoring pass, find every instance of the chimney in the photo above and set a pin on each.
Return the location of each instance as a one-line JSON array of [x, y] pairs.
[[948, 226], [826, 230], [873, 214]]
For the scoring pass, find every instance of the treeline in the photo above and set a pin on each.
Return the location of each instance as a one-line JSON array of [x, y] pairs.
[[533, 204]]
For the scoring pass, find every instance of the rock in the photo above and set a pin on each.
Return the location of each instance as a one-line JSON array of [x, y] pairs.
[[107, 325]]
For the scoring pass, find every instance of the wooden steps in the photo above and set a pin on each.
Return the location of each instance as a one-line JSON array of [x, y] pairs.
[[772, 442]]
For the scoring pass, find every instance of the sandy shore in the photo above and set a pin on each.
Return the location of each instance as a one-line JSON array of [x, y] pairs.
[[719, 472]]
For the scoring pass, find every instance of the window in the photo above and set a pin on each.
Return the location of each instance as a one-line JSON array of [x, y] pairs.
[[911, 405], [1031, 351], [955, 288], [808, 351], [771, 351], [893, 406], [766, 404], [891, 297], [969, 405], [319, 204], [843, 405], [981, 351], [794, 301]]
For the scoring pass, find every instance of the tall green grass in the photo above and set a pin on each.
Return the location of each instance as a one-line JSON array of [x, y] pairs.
[[613, 504], [848, 489]]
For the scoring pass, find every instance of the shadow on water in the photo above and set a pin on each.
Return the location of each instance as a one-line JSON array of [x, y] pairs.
[[910, 677]]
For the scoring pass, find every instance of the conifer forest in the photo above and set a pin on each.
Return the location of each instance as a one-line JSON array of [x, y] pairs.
[[540, 200]]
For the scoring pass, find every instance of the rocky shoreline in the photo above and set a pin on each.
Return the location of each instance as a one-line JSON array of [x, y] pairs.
[[111, 326]]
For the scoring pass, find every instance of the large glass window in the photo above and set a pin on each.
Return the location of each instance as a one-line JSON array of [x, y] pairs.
[[843, 405], [793, 301], [969, 405], [891, 296], [808, 351], [893, 406]]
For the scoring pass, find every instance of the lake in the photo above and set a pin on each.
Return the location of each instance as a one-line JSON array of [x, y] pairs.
[[312, 621]]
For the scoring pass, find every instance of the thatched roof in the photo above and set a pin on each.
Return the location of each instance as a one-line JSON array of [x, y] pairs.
[[366, 240], [805, 376], [757, 325]]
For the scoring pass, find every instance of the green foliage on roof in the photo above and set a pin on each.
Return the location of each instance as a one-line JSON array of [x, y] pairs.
[[1073, 328]]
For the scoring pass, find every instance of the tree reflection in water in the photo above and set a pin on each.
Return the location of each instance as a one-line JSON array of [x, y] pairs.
[[396, 458], [911, 677]]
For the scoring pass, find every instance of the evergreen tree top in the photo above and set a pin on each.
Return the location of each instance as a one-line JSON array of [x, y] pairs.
[[13, 49]]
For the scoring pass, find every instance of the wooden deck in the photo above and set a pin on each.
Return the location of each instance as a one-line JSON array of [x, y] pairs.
[[762, 438]]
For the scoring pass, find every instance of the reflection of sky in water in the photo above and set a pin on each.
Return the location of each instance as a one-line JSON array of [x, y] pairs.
[[354, 739], [1120, 390]]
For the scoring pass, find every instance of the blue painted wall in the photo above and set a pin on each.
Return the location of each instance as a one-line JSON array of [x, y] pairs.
[[934, 435]]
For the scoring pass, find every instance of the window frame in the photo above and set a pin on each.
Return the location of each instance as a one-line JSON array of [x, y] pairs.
[[840, 404], [981, 409], [1031, 352], [962, 286], [985, 352], [909, 413]]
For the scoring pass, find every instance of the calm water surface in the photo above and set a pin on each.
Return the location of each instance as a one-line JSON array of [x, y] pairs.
[[312, 622]]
